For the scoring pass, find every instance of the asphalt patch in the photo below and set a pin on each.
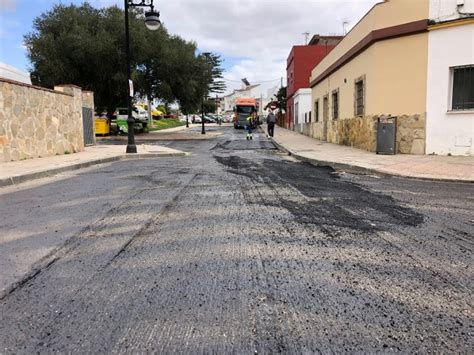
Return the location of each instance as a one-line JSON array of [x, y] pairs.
[[239, 145], [329, 202]]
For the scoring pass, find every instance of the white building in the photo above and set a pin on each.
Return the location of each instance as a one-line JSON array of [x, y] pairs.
[[302, 106], [450, 94], [255, 91], [12, 73]]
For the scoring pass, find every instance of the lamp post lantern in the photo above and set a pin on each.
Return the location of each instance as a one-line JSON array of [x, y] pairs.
[[152, 22]]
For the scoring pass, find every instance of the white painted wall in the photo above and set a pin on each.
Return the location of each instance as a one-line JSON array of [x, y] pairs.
[[448, 132], [447, 10], [302, 98], [257, 92], [12, 73]]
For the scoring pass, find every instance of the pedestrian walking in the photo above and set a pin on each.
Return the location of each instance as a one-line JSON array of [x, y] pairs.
[[271, 120]]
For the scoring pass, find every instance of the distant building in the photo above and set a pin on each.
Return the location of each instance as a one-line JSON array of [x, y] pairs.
[[256, 91], [302, 106], [12, 73], [300, 62]]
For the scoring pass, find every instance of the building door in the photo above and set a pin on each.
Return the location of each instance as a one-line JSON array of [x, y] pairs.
[[297, 113], [88, 122], [325, 117]]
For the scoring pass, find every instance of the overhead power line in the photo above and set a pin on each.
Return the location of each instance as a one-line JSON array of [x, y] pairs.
[[253, 83]]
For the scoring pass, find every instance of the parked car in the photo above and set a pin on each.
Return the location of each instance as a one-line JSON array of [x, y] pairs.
[[196, 118], [139, 114], [208, 119]]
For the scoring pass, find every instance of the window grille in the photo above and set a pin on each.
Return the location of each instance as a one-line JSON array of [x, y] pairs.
[[359, 88], [316, 111], [335, 105], [463, 88]]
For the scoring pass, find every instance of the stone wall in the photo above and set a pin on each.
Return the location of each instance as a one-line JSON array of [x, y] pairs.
[[360, 132], [411, 134], [38, 122]]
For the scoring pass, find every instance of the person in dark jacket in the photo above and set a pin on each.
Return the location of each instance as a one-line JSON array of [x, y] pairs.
[[271, 120]]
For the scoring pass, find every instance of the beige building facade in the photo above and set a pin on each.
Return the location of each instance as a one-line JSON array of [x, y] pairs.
[[378, 70]]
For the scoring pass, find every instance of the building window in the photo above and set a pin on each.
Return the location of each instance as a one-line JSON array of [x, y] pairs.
[[325, 108], [359, 97], [463, 88], [316, 111], [335, 104], [309, 116]]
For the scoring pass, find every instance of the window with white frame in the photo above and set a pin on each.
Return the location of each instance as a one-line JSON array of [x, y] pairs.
[[462, 83]]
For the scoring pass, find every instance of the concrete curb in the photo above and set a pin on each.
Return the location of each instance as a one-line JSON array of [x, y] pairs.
[[359, 170], [15, 180]]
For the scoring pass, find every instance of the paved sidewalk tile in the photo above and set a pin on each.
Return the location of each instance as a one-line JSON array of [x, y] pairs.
[[432, 167], [19, 171]]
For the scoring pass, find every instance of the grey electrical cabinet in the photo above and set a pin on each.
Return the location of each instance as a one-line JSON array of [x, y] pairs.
[[386, 136]]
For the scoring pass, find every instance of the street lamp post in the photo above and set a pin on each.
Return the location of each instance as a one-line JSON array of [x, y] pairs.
[[152, 22], [203, 130]]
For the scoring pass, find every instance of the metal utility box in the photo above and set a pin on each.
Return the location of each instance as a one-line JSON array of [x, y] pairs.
[[101, 126], [386, 135]]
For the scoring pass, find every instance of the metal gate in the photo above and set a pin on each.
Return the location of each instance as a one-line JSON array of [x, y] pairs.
[[88, 121]]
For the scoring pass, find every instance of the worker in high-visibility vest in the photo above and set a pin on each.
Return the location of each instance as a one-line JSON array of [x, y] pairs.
[[250, 123]]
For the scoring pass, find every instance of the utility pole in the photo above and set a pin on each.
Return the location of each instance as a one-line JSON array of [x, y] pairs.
[[344, 23]]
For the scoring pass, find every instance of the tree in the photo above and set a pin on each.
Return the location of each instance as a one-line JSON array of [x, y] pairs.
[[281, 98], [212, 73], [209, 106], [80, 45], [85, 46]]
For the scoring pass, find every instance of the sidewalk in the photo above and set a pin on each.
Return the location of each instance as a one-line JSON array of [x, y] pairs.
[[12, 173], [430, 167], [16, 172]]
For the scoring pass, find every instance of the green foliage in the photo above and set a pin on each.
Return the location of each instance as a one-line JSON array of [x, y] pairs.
[[85, 46], [165, 123], [281, 98], [163, 109], [209, 106]]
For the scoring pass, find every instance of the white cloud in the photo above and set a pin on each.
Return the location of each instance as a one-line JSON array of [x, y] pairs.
[[7, 5], [261, 31], [258, 33]]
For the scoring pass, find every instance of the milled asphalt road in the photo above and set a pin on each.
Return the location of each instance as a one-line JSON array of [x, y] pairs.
[[239, 249]]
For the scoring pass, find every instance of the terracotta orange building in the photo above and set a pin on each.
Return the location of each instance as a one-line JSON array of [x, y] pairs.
[[301, 60]]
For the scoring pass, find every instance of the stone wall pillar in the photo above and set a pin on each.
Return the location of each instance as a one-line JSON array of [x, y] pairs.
[[72, 120]]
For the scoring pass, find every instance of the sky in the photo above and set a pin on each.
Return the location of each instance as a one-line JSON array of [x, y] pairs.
[[253, 37]]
